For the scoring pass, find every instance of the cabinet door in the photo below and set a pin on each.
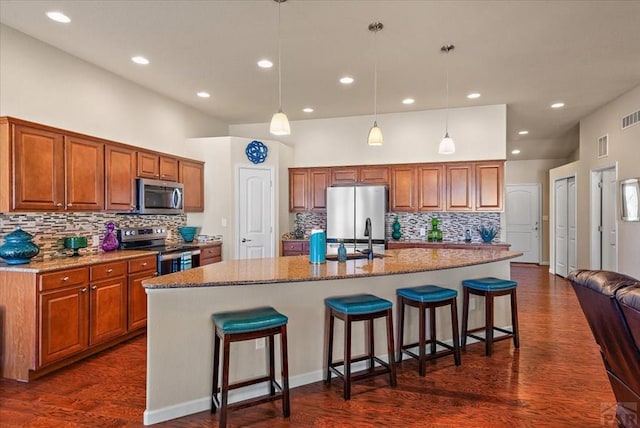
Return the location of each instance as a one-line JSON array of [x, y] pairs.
[[148, 165], [138, 300], [403, 188], [373, 174], [344, 175], [192, 176], [168, 168], [318, 181], [210, 255], [84, 160], [489, 178], [63, 323], [459, 185], [431, 187], [298, 189], [38, 173], [120, 177], [108, 310]]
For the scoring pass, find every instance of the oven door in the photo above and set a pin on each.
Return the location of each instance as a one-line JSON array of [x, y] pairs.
[[176, 261]]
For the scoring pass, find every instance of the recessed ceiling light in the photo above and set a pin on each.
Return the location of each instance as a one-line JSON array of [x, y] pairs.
[[265, 63], [557, 105], [523, 132], [473, 95], [140, 60], [203, 94], [59, 17], [408, 101], [515, 152], [346, 80], [307, 110]]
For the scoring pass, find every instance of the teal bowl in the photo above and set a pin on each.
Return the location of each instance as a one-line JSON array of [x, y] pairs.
[[188, 233]]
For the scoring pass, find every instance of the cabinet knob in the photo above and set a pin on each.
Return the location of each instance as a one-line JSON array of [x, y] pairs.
[[59, 204], [109, 270], [69, 205], [84, 289], [66, 278], [93, 287], [144, 264]]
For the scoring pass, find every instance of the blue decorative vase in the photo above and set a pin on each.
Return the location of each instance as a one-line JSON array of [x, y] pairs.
[[18, 247], [396, 234]]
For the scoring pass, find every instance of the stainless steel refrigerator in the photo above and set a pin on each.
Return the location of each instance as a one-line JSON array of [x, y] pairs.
[[348, 207]]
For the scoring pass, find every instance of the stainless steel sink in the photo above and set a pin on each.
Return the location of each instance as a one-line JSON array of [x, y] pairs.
[[354, 256]]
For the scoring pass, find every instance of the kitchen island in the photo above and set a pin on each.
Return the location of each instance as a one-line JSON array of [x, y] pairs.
[[180, 331]]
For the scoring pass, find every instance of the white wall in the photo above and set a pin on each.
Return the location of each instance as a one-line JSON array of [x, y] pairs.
[[479, 133], [623, 152], [42, 84]]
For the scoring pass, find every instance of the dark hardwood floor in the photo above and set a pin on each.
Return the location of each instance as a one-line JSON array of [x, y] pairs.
[[555, 379]]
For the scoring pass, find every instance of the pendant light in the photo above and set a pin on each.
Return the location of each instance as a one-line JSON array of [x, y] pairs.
[[279, 121], [447, 146], [375, 133]]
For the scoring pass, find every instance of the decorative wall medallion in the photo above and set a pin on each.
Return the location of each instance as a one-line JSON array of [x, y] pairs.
[[256, 151]]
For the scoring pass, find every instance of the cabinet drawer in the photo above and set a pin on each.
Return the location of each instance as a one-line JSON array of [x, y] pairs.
[[292, 246], [142, 264], [210, 252], [64, 278], [108, 270]]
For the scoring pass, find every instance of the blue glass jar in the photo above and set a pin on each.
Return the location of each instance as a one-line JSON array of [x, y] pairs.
[[18, 247], [342, 253]]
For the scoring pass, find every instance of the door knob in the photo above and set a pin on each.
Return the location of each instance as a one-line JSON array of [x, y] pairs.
[[246, 240]]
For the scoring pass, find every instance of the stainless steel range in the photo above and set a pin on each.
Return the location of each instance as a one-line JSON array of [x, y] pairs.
[[171, 257]]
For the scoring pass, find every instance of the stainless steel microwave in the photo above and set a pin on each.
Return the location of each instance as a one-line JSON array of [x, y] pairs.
[[159, 197]]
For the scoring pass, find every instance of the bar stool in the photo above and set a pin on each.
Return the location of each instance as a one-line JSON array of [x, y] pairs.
[[428, 297], [236, 326], [358, 307], [490, 288]]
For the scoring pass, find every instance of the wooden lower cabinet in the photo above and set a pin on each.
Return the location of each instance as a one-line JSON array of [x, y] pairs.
[[210, 254], [296, 247], [108, 310], [139, 269]]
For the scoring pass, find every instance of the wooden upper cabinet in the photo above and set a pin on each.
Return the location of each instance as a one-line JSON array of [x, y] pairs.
[[168, 168], [344, 175], [156, 166], [403, 188], [298, 189], [373, 174], [430, 187], [38, 170], [489, 180], [85, 174], [192, 176], [319, 180], [120, 178], [459, 179]]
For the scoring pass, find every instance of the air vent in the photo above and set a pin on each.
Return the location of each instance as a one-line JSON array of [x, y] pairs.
[[631, 119], [603, 146]]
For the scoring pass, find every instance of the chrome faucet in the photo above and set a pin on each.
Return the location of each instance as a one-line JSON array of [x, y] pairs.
[[367, 232]]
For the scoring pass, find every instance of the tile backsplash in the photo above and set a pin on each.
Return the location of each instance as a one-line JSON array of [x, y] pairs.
[[453, 225], [50, 229]]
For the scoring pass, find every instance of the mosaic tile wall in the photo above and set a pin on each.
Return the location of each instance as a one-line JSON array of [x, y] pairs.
[[50, 229], [453, 225]]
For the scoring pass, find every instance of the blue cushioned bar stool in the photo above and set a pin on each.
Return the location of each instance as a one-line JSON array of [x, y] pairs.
[[490, 288], [428, 297], [358, 307], [236, 326]]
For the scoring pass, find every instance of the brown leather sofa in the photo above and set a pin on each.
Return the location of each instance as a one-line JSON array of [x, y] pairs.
[[611, 304]]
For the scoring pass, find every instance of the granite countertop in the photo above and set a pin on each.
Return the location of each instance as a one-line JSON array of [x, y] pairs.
[[298, 268], [75, 262]]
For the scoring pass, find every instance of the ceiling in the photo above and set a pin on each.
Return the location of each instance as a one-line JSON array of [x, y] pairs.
[[525, 54]]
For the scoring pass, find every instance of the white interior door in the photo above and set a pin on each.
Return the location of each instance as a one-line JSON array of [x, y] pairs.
[[255, 217], [523, 221], [609, 237], [561, 227], [572, 247]]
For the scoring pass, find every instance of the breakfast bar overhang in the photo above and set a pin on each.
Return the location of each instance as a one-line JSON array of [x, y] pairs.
[[180, 332]]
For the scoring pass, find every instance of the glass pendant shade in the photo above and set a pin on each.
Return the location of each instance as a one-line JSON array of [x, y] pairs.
[[375, 135], [447, 146], [280, 124]]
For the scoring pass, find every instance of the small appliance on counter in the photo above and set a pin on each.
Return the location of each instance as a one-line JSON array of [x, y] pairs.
[[75, 243]]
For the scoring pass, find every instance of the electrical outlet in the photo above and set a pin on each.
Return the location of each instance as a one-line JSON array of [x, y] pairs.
[[423, 231], [260, 343], [95, 241]]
